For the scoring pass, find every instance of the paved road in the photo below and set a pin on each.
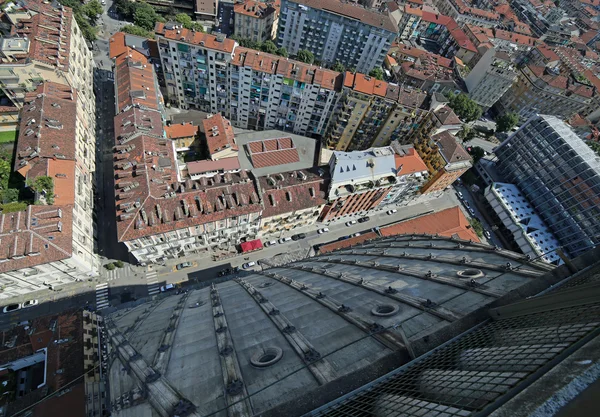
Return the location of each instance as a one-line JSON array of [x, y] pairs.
[[483, 144], [471, 199]]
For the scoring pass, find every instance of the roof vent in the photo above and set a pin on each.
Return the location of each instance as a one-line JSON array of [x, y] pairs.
[[385, 310], [470, 273], [266, 357]]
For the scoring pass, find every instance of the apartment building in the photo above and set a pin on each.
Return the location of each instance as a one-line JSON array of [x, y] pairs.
[[546, 90], [253, 89], [490, 78], [409, 21], [446, 160], [374, 113], [360, 181], [255, 20], [292, 200], [51, 242], [219, 138], [560, 176], [411, 174], [464, 12], [46, 44], [163, 210], [333, 31]]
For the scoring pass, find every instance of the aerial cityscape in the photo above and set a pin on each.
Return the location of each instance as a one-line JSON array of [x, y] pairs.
[[299, 208]]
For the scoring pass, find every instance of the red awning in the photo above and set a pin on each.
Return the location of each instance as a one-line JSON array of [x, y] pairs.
[[252, 245]]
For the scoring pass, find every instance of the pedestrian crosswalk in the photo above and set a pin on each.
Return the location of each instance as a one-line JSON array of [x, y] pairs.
[[118, 273], [102, 296], [152, 282]]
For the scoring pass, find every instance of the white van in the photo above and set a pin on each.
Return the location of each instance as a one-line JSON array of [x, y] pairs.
[[167, 287]]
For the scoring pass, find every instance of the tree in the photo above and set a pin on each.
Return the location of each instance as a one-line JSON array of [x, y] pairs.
[[119, 264], [145, 16], [110, 266], [43, 185], [377, 73], [269, 47], [92, 9], [464, 107], [477, 227], [466, 133], [352, 70], [477, 153], [506, 122], [124, 7], [138, 31], [305, 56], [184, 19], [338, 66], [282, 52]]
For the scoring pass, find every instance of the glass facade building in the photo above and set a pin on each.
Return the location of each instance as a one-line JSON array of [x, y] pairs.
[[560, 175]]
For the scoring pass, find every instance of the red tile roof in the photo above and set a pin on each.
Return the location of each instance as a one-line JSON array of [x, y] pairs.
[[224, 164], [292, 191], [296, 70], [134, 81], [409, 163], [436, 18], [47, 128], [217, 43], [272, 152], [449, 148], [515, 37], [49, 34], [459, 36], [449, 222], [365, 84], [219, 134], [181, 130], [117, 45], [253, 9], [137, 121]]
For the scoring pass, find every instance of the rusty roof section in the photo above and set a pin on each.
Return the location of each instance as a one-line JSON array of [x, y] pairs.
[[351, 11], [134, 80], [219, 134], [180, 34], [365, 84], [181, 130]]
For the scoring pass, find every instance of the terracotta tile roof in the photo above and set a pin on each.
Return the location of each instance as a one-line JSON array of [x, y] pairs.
[[138, 121], [515, 37], [117, 45], [219, 134], [150, 200], [134, 81], [365, 84], [346, 243], [181, 130], [412, 98], [449, 148], [296, 70], [35, 236], [291, 191], [436, 18], [47, 128], [480, 34], [413, 10], [449, 222], [49, 34], [272, 152], [217, 43], [459, 36], [63, 175], [224, 164], [369, 17], [548, 53], [409, 163], [252, 8]]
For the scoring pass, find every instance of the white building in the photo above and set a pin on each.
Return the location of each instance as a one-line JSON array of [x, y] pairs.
[[490, 78]]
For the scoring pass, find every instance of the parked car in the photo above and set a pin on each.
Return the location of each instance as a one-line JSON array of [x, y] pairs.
[[299, 236], [270, 243], [356, 234], [285, 239], [392, 211], [364, 219], [249, 265], [460, 195], [471, 211], [167, 287], [323, 230], [183, 265], [226, 271], [350, 223], [12, 307], [487, 234], [30, 303]]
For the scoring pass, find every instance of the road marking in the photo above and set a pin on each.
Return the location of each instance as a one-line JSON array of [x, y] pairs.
[[152, 283], [102, 296]]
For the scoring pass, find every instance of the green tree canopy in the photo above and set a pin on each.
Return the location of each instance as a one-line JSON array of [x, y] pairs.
[[138, 31], [377, 72], [338, 66], [92, 9], [477, 153], [43, 185], [464, 107], [269, 47], [187, 22], [84, 16], [506, 122], [305, 56], [282, 52], [145, 16], [466, 133]]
